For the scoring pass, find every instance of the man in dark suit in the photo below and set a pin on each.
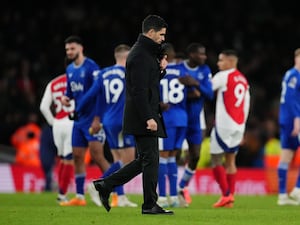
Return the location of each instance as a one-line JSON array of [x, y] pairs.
[[145, 67]]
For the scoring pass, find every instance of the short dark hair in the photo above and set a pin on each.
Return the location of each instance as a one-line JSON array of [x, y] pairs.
[[168, 49], [229, 52], [193, 47], [72, 39], [153, 22]]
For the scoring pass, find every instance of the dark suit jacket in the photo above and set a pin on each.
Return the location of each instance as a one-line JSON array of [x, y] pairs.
[[142, 77]]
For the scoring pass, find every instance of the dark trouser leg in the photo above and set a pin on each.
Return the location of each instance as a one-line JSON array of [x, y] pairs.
[[146, 162], [148, 150]]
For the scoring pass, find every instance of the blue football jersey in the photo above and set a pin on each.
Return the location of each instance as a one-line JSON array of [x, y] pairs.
[[175, 94], [79, 81], [203, 75], [113, 82], [290, 97]]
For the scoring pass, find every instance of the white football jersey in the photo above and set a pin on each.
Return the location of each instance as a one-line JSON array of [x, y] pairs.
[[233, 99]]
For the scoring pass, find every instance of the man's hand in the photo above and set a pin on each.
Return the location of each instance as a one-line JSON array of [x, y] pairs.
[[188, 80], [296, 129], [195, 93], [65, 100], [164, 106], [95, 126], [151, 125]]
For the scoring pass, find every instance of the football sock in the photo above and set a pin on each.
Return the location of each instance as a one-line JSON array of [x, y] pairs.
[[187, 176], [231, 178], [59, 177], [113, 168], [119, 190], [220, 177], [66, 177], [282, 177], [298, 180], [162, 173], [79, 180], [172, 174]]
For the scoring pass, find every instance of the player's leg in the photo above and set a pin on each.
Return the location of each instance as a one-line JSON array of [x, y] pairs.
[[289, 144], [123, 156], [96, 146], [128, 154], [219, 172], [284, 162], [194, 139], [79, 144], [231, 170], [295, 193], [48, 153], [62, 133], [162, 174], [180, 134], [166, 145], [117, 164], [172, 171]]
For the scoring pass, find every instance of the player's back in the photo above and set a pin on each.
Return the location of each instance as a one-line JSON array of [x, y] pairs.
[[290, 95], [114, 85], [175, 94], [58, 88], [233, 100]]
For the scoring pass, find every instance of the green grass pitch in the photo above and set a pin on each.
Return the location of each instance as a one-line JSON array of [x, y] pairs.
[[42, 209]]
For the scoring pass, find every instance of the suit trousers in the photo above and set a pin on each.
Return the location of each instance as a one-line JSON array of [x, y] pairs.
[[147, 163]]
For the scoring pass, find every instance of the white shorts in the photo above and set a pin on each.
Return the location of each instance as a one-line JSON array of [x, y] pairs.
[[62, 135], [225, 140]]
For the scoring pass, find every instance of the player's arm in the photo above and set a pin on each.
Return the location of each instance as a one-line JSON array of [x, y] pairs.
[[45, 105], [296, 113], [188, 80], [247, 103], [90, 94], [206, 88], [192, 84], [96, 124]]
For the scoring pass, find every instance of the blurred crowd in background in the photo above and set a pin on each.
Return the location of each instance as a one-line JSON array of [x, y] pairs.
[[263, 32]]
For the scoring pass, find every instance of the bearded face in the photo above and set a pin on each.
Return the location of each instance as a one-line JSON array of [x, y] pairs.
[[73, 50]]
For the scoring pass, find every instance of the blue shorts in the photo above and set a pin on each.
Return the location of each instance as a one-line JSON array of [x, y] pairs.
[[116, 139], [174, 141], [286, 140], [81, 136], [194, 134]]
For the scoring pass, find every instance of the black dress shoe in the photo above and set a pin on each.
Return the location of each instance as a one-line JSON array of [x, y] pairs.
[[157, 210], [104, 193]]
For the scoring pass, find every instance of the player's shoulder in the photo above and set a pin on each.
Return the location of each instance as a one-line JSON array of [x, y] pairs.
[[113, 70], [220, 73], [173, 69], [175, 66], [205, 68], [59, 78], [292, 72], [88, 62]]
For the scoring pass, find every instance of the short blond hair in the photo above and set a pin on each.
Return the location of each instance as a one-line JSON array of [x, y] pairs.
[[297, 52]]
